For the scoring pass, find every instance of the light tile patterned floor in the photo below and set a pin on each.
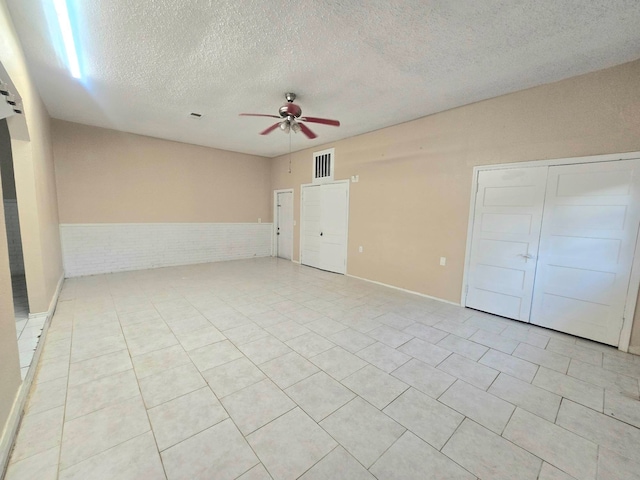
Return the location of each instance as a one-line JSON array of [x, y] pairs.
[[264, 369]]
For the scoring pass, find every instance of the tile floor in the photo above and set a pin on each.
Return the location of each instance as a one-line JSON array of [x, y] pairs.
[[264, 369]]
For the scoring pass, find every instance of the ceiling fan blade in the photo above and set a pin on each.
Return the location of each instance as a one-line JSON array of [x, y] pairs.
[[270, 129], [258, 115], [324, 121], [307, 131]]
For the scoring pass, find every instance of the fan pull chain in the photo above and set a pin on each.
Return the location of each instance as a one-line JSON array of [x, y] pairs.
[[289, 151]]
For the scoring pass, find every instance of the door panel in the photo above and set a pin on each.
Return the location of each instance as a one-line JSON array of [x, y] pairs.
[[589, 233], [334, 227], [285, 225], [505, 239], [310, 225]]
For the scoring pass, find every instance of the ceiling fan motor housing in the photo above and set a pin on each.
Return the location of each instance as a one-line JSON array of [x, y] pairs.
[[290, 110]]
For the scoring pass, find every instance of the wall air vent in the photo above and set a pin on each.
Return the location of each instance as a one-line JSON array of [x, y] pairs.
[[323, 163]]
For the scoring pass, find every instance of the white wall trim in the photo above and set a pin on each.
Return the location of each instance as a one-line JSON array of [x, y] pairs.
[[15, 416], [276, 218], [405, 290], [90, 249], [634, 282], [106, 225], [611, 157], [631, 300]]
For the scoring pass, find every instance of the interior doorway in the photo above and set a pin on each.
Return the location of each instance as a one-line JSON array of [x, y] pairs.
[[283, 223], [27, 332]]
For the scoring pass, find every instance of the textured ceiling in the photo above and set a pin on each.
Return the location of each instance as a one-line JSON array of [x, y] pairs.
[[148, 63]]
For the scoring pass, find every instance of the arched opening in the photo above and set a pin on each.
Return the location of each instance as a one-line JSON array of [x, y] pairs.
[[27, 331]]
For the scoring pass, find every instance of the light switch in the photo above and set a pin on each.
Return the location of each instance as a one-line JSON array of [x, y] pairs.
[[443, 261], [360, 249]]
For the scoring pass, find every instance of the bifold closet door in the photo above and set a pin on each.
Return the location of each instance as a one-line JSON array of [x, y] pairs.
[[589, 233], [505, 236], [324, 226], [333, 228], [310, 226]]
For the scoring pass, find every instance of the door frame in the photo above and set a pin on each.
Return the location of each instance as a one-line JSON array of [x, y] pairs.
[[274, 236], [634, 279], [346, 240]]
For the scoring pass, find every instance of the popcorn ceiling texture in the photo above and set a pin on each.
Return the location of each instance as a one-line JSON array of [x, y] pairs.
[[147, 64]]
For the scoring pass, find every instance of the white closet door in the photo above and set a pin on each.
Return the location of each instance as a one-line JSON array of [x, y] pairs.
[[506, 233], [310, 226], [333, 241], [285, 225], [324, 226], [589, 233]]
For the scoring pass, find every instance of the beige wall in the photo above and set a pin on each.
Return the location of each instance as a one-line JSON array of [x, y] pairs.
[[35, 189], [105, 176], [411, 205]]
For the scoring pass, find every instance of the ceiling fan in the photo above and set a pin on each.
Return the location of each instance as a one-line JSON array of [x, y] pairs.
[[290, 119]]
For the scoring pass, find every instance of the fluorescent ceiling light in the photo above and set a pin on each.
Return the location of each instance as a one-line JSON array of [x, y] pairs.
[[67, 37]]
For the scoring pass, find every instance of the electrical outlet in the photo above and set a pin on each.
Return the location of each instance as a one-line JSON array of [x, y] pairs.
[[259, 220], [443, 261], [360, 249], [355, 178]]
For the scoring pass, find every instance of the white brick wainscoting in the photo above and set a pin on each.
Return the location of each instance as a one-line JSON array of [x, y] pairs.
[[90, 249], [13, 236]]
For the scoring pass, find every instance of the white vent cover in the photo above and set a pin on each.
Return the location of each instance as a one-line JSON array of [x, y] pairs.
[[323, 166]]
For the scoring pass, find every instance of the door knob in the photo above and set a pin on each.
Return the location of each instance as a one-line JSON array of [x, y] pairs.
[[320, 233], [526, 256]]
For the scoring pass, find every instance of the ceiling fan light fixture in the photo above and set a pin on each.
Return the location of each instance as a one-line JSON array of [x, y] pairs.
[[290, 113]]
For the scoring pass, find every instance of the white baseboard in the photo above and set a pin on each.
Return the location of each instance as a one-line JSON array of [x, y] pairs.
[[296, 261], [15, 417], [405, 290]]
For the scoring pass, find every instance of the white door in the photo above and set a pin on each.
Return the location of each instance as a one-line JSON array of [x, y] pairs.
[[589, 233], [324, 226], [506, 232], [284, 224], [310, 226], [333, 228]]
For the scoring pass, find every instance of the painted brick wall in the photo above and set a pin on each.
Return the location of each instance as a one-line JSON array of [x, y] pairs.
[[90, 249], [16, 260]]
